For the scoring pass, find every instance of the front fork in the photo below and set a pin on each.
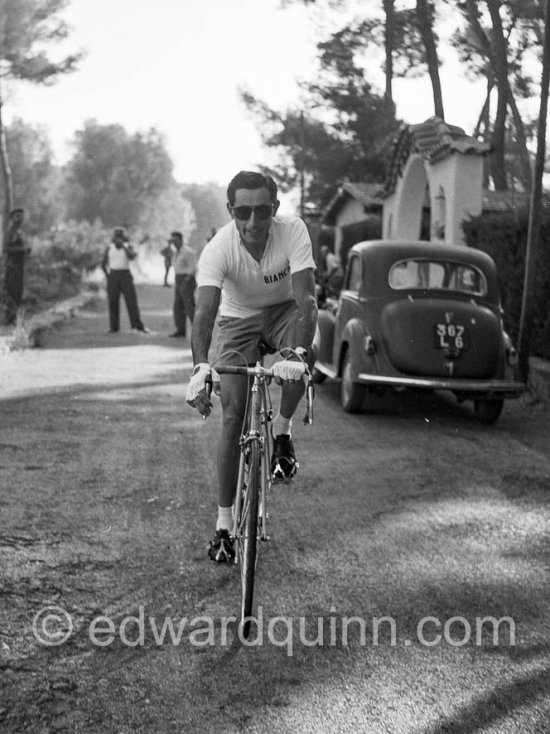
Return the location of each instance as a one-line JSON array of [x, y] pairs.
[[264, 440]]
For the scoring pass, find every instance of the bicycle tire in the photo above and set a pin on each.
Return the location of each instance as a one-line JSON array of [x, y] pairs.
[[250, 539]]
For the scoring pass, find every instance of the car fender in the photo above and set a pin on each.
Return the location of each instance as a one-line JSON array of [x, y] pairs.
[[326, 324], [352, 339]]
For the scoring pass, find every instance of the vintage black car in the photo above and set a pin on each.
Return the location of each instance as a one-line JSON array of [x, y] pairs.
[[419, 315]]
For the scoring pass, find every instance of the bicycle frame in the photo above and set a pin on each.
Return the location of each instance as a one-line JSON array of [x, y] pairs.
[[253, 483], [259, 415], [254, 477]]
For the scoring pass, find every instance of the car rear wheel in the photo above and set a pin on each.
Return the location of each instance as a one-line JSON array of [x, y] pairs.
[[352, 394], [487, 411]]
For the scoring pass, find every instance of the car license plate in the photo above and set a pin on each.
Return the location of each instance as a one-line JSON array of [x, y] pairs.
[[450, 336]]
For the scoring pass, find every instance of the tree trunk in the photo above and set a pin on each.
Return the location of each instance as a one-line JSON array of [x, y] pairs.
[[500, 60], [425, 14], [483, 125], [522, 141], [483, 130], [388, 46], [535, 214], [7, 180]]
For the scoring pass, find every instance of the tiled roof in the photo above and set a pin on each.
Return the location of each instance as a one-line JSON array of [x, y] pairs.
[[434, 140], [367, 194]]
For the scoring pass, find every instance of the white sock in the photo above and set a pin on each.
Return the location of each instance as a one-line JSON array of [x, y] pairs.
[[225, 518], [282, 425]]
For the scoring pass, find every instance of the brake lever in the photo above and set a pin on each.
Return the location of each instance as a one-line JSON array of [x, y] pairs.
[[310, 394], [208, 387]]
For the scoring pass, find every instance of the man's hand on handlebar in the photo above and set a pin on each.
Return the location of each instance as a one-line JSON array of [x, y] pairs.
[[288, 370], [199, 388]]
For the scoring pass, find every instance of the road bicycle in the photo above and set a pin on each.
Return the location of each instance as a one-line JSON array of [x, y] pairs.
[[250, 515]]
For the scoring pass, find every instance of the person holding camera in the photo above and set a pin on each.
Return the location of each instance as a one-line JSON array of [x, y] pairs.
[[116, 266]]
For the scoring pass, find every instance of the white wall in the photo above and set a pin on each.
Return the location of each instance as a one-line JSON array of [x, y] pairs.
[[457, 178], [410, 192]]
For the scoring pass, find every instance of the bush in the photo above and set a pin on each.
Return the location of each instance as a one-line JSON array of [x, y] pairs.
[[504, 237], [60, 261]]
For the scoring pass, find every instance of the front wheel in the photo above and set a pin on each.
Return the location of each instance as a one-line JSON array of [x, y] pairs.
[[352, 394], [248, 544], [487, 411]]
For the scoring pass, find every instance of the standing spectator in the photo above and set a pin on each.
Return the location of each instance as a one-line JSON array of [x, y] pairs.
[[168, 254], [332, 273], [16, 252], [185, 265], [116, 266]]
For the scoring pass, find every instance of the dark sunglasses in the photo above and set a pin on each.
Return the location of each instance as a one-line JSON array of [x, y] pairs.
[[261, 211]]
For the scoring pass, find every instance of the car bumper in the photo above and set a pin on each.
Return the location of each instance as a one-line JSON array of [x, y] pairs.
[[502, 388]]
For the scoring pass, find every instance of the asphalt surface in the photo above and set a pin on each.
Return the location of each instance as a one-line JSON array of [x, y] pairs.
[[408, 533]]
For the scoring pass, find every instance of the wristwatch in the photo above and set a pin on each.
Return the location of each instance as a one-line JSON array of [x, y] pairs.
[[198, 367]]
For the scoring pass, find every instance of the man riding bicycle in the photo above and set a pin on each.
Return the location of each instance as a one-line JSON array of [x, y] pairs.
[[258, 270]]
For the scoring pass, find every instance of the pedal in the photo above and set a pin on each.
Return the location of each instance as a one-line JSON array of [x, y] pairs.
[[278, 474]]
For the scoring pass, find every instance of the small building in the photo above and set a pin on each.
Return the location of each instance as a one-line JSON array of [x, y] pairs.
[[436, 160], [434, 183], [354, 209]]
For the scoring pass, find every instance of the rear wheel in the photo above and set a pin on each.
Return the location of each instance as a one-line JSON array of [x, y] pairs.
[[352, 394], [248, 544], [487, 411]]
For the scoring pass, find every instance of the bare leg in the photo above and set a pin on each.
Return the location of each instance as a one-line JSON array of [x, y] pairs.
[[291, 394], [233, 398]]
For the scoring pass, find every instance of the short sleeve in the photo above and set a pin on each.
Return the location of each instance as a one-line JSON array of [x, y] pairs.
[[210, 269], [300, 250]]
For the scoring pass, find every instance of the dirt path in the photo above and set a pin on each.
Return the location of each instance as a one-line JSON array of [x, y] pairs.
[[106, 504]]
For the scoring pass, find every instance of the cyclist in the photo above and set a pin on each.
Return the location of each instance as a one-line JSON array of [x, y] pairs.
[[259, 271]]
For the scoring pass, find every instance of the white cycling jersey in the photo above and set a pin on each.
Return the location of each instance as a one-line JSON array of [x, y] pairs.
[[248, 285]]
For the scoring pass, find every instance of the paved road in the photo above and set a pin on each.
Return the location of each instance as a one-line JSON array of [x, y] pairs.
[[404, 529]]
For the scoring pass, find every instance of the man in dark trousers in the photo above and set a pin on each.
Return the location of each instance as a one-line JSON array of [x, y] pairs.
[[167, 254], [185, 265], [16, 252], [116, 266]]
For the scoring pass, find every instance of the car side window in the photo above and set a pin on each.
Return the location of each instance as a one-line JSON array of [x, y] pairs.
[[353, 281]]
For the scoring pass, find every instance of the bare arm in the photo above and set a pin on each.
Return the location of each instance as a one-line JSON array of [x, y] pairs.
[[208, 301], [130, 252], [303, 283], [105, 261]]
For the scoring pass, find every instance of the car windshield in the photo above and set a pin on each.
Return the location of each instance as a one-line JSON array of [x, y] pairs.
[[437, 275]]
